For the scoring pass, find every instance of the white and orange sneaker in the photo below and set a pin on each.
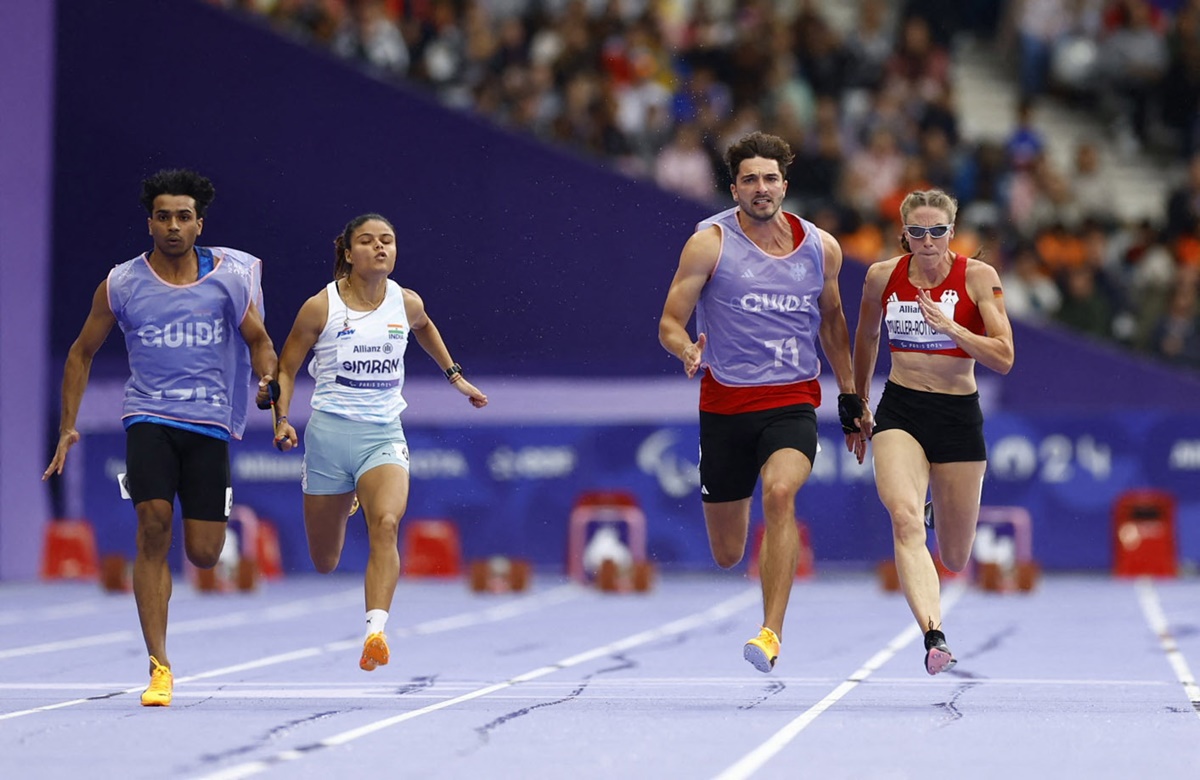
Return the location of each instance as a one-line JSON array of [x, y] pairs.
[[375, 652]]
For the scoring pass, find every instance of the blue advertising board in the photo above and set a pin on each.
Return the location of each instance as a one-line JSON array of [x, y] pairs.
[[510, 488]]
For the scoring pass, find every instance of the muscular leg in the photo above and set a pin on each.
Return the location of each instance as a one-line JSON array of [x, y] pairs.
[[902, 479], [956, 494], [325, 526], [782, 475], [383, 493], [203, 541], [728, 523], [151, 575]]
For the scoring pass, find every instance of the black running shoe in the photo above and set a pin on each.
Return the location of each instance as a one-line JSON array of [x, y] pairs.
[[938, 657]]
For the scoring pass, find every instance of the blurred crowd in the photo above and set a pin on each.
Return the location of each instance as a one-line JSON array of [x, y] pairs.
[[657, 89]]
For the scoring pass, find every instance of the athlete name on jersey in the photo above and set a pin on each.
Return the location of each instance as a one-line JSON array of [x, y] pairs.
[[189, 333], [770, 302], [373, 366], [908, 329]]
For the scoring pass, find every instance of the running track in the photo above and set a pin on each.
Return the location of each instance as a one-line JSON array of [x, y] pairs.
[[1087, 677]]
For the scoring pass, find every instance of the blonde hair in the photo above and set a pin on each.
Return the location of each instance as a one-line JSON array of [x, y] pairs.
[[935, 199]]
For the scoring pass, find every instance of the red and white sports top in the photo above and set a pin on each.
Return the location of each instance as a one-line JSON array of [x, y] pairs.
[[907, 329]]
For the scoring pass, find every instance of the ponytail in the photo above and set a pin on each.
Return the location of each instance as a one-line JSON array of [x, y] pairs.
[[341, 268]]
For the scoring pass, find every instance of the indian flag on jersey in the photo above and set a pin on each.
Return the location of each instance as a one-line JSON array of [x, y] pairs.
[[395, 330]]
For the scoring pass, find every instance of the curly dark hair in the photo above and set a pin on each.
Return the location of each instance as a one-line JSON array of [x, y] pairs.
[[179, 181], [758, 144]]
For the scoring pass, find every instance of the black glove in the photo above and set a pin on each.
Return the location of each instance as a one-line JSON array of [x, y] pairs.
[[850, 408], [272, 395]]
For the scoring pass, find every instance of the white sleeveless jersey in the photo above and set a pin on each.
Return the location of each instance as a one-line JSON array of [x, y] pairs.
[[358, 360]]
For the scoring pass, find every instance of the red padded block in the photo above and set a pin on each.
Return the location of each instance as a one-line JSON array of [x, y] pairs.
[[1144, 534], [69, 551], [431, 548]]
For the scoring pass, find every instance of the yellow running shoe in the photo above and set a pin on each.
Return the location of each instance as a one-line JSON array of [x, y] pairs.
[[162, 684], [762, 650], [375, 652]]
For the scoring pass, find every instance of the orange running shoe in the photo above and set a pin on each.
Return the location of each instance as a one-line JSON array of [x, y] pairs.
[[162, 685], [375, 652], [762, 650]]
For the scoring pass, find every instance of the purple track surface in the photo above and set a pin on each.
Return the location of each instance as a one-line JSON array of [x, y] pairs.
[[1086, 677]]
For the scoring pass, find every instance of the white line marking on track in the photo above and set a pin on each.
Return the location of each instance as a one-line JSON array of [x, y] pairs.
[[489, 615], [667, 686], [240, 618], [754, 760], [1157, 619], [60, 612], [721, 611], [70, 644]]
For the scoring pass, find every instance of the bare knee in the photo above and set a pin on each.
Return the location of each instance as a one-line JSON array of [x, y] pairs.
[[955, 559], [778, 498], [727, 557], [954, 563], [153, 537], [323, 561], [385, 527], [908, 528], [203, 557]]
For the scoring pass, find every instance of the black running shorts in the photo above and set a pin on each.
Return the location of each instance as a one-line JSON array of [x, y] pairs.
[[734, 447], [164, 462], [948, 427]]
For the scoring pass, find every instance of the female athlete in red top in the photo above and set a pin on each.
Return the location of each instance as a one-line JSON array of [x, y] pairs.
[[944, 313]]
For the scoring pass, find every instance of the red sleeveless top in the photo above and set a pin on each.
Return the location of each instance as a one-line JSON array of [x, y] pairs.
[[907, 329]]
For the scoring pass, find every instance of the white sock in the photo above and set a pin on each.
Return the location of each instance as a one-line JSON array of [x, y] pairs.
[[376, 620]]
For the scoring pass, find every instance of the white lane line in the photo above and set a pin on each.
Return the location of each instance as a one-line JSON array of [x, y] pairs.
[[286, 611], [491, 615], [754, 760], [667, 686], [719, 612], [1157, 619], [59, 612], [110, 638]]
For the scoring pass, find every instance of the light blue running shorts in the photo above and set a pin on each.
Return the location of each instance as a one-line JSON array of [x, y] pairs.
[[337, 452]]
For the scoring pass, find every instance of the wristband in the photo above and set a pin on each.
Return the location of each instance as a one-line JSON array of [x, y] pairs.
[[279, 420], [850, 408], [454, 371]]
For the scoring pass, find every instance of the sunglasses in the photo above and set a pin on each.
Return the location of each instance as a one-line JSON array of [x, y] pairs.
[[917, 232]]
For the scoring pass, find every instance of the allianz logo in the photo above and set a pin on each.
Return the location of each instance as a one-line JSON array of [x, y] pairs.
[[191, 333], [760, 302]]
